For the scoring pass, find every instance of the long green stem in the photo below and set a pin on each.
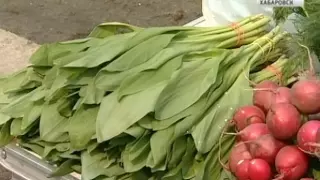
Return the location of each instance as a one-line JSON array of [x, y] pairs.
[[238, 40], [258, 59], [258, 44], [305, 11], [221, 29], [223, 41], [260, 24], [266, 73]]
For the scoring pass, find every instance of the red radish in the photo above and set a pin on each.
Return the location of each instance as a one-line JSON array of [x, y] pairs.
[[252, 132], [247, 115], [283, 121], [291, 163], [259, 169], [308, 137], [262, 96], [238, 153], [282, 95], [242, 170], [306, 179], [305, 96], [255, 169], [266, 147]]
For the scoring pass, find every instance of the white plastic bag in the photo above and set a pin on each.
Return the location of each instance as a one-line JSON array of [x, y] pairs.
[[224, 12]]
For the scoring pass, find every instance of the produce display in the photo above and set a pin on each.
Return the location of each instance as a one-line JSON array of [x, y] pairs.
[[171, 103], [275, 140]]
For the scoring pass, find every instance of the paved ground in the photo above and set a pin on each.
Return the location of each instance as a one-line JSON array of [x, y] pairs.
[[44, 21], [52, 20]]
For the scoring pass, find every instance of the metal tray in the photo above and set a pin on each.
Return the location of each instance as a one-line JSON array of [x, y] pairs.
[[26, 165]]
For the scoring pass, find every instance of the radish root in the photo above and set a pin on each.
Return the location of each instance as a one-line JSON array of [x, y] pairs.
[[226, 133], [248, 79], [220, 139], [310, 59], [264, 89], [279, 177]]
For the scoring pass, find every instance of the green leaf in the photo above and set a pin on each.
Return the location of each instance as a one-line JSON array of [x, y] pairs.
[[111, 80], [140, 175], [32, 114], [160, 143], [92, 146], [71, 154], [18, 107], [47, 53], [188, 85], [111, 28], [115, 116], [82, 126], [178, 150], [5, 99], [33, 147], [16, 129], [84, 78], [188, 170], [61, 79], [135, 131], [91, 94], [62, 61], [174, 173], [93, 165], [40, 95], [50, 77], [211, 167], [31, 80], [206, 134], [112, 47], [50, 147], [147, 33], [140, 53], [52, 124], [145, 122], [64, 169], [225, 174], [77, 168], [148, 78], [134, 155], [4, 118], [54, 157], [120, 140], [5, 136], [193, 109], [22, 80], [13, 81]]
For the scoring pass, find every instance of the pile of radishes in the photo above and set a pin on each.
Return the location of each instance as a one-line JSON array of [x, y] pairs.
[[274, 139]]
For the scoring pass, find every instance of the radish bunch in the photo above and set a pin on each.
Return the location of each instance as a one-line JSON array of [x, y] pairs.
[[267, 129]]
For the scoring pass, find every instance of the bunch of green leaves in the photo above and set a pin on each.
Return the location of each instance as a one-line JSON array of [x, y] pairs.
[[307, 23], [129, 103]]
